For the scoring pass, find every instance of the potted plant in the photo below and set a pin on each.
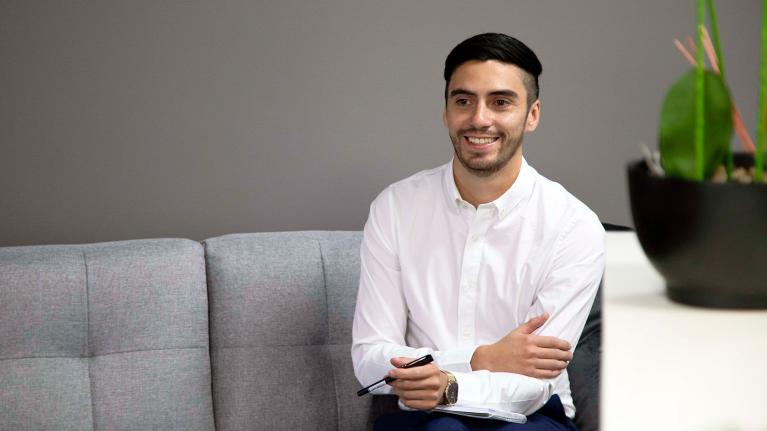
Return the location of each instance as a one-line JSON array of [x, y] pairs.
[[699, 210]]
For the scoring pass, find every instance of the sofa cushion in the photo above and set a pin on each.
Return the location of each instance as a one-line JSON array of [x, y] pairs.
[[104, 336], [281, 312]]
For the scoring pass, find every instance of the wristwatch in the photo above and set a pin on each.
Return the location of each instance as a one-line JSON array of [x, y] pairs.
[[450, 396]]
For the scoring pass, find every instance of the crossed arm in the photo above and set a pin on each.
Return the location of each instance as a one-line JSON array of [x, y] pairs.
[[519, 352]]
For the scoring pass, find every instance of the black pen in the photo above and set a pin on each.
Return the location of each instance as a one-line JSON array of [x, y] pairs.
[[416, 363]]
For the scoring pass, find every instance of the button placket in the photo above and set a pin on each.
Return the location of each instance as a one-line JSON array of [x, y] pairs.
[[472, 256]]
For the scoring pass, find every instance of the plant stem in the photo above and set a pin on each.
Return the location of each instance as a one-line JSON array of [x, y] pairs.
[[700, 125], [759, 154], [715, 36], [720, 63]]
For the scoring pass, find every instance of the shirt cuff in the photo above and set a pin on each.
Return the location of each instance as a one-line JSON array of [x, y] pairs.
[[469, 389], [456, 360], [506, 392]]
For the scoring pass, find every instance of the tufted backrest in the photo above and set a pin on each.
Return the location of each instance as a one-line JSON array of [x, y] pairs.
[[281, 311], [104, 336], [115, 336]]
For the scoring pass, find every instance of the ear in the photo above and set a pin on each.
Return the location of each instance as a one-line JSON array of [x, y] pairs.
[[444, 115], [533, 116]]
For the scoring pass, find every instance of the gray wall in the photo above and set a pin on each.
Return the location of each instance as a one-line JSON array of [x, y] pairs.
[[131, 119]]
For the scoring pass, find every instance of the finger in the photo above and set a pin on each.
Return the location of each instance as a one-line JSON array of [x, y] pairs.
[[400, 361], [420, 395], [560, 355], [549, 364], [545, 374], [531, 325], [550, 342], [421, 400], [416, 373], [413, 385]]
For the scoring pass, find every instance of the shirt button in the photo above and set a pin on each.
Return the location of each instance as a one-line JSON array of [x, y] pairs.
[[475, 237]]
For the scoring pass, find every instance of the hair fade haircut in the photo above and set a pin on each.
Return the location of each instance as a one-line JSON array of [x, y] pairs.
[[500, 47]]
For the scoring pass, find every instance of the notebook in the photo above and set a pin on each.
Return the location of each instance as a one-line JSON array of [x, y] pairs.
[[483, 413]]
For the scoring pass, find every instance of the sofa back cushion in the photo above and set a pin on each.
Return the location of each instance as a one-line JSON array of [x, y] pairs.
[[281, 314], [104, 336]]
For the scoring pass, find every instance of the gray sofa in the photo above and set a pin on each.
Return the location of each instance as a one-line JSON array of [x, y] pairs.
[[240, 332]]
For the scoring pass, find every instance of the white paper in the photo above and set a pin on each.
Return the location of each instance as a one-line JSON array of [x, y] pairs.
[[483, 413]]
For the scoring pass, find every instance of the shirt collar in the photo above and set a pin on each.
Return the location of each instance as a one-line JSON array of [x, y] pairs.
[[518, 191]]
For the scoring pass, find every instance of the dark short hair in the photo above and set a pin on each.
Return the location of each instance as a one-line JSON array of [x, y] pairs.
[[500, 47]]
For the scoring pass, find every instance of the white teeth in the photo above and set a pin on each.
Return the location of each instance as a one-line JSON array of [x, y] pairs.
[[480, 141]]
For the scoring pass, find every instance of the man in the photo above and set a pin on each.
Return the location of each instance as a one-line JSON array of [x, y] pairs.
[[482, 263]]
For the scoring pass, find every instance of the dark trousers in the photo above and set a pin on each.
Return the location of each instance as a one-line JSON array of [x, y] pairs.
[[550, 417]]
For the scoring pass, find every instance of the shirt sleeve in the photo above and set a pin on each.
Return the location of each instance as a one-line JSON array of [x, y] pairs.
[[380, 317], [570, 285], [566, 293]]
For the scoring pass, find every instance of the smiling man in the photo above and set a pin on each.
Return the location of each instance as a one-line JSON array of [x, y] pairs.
[[482, 263]]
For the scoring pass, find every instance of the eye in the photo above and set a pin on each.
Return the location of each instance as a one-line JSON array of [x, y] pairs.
[[502, 103], [461, 102]]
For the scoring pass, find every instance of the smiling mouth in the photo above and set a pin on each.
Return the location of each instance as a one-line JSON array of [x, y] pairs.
[[480, 141]]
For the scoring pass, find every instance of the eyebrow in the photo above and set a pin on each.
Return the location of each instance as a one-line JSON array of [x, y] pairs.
[[463, 92]]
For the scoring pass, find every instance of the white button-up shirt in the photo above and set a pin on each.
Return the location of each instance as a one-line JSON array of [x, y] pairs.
[[439, 276]]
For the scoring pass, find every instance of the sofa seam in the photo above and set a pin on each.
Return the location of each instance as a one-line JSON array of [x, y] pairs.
[[105, 354], [88, 342], [327, 335], [208, 292], [262, 346]]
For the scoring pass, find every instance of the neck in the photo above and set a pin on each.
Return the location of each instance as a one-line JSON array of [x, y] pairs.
[[478, 190]]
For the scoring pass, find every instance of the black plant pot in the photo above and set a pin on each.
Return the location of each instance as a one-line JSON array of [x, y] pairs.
[[708, 240]]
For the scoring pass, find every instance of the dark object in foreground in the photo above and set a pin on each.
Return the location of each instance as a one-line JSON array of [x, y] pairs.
[[423, 360], [708, 240]]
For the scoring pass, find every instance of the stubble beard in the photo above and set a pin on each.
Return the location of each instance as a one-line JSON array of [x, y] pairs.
[[480, 168]]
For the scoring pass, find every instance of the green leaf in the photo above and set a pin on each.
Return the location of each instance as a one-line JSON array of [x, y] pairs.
[[677, 126]]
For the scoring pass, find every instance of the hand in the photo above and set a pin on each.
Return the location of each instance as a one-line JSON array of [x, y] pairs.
[[521, 352], [419, 388]]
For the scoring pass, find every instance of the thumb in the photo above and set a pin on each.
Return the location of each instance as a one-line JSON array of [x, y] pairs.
[[400, 361], [533, 324]]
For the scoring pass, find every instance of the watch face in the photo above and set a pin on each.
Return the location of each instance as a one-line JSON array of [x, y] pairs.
[[451, 393]]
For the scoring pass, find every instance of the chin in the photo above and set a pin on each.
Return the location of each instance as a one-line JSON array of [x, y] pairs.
[[484, 169], [480, 162]]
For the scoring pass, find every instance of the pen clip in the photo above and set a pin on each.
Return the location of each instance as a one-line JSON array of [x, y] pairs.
[[423, 360]]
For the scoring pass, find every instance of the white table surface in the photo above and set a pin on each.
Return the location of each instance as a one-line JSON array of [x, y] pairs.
[[667, 366]]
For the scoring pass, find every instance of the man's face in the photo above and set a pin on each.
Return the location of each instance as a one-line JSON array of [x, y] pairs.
[[487, 115]]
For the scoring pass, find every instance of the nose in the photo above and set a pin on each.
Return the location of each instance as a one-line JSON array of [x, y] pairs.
[[481, 117]]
